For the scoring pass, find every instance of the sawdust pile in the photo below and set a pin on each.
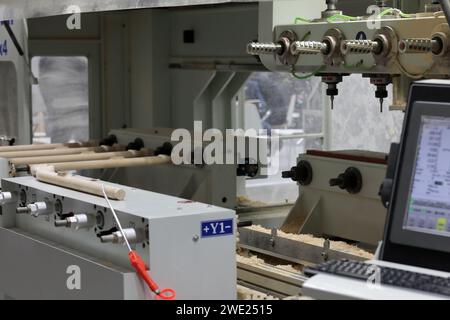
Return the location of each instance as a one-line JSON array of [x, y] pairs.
[[244, 293], [244, 201], [255, 261]]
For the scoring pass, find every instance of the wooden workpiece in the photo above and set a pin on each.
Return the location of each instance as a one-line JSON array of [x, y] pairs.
[[51, 146], [84, 156], [58, 151], [57, 173], [110, 163], [79, 183]]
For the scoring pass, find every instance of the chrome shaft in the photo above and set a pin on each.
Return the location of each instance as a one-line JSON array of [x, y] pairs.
[[419, 45], [308, 47], [257, 48], [359, 46]]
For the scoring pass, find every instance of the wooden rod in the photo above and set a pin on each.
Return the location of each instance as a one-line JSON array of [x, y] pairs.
[[31, 147], [50, 146], [78, 183], [47, 173], [84, 156], [58, 151], [110, 163]]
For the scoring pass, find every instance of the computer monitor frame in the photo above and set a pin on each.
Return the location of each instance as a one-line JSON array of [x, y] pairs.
[[400, 233], [400, 245]]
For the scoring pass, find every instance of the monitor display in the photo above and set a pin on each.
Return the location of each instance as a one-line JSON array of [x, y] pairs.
[[428, 206]]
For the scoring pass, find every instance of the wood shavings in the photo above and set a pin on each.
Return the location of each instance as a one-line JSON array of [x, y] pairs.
[[309, 239], [244, 293], [244, 201], [253, 260]]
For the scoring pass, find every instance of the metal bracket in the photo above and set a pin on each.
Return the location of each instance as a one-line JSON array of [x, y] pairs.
[[333, 39], [287, 38], [389, 39]]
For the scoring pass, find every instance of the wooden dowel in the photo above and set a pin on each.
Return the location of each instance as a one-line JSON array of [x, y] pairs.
[[58, 151], [111, 163], [31, 147], [85, 156], [78, 183], [50, 146], [40, 153], [48, 173]]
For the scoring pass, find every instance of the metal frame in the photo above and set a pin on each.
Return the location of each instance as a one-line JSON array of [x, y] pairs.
[[42, 8], [288, 249]]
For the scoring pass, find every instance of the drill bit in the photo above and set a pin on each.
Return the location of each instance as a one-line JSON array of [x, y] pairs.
[[381, 105], [332, 102]]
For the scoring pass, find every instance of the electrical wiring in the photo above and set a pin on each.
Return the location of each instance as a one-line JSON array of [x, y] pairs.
[[398, 11], [409, 74], [359, 64], [343, 17], [116, 219], [303, 20], [306, 36], [307, 76]]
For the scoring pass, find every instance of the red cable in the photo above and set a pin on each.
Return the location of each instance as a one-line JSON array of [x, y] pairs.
[[141, 269]]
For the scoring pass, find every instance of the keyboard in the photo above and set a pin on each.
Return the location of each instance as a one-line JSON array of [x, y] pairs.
[[383, 275]]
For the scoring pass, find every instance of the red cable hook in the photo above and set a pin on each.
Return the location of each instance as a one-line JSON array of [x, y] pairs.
[[141, 269]]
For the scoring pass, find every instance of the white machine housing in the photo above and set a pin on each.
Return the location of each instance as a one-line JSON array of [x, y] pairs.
[[329, 211], [42, 257]]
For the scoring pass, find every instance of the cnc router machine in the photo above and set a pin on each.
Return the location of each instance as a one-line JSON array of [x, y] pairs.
[[138, 81]]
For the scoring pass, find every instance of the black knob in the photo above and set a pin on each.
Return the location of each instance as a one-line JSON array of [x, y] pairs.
[[137, 144], [332, 91], [381, 92], [249, 168], [109, 141], [165, 149], [302, 173], [107, 232], [243, 224], [385, 192], [350, 180]]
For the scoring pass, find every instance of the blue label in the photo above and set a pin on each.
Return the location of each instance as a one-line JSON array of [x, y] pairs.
[[217, 228], [3, 48]]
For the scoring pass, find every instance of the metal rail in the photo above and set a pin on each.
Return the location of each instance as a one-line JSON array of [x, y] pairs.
[[270, 280], [19, 9], [289, 250]]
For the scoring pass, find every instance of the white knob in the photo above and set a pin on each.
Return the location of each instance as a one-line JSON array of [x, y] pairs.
[[80, 221], [38, 208], [5, 197], [133, 236]]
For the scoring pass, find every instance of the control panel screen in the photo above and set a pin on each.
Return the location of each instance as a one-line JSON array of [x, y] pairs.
[[428, 207]]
